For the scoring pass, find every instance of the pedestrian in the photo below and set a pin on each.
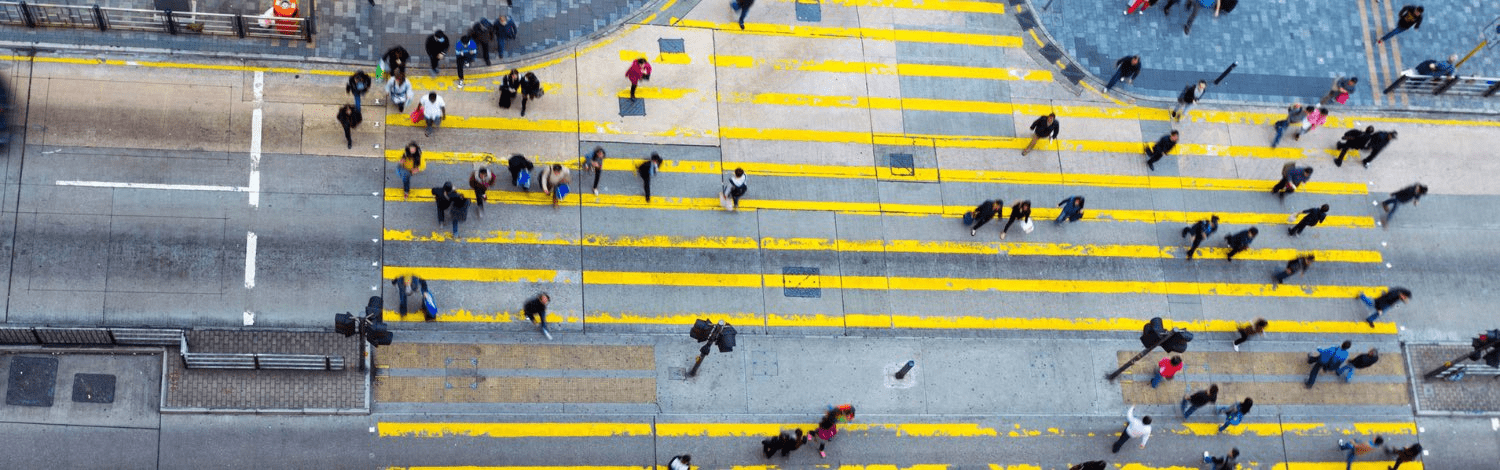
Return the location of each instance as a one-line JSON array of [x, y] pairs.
[[983, 213], [410, 164], [1189, 96], [1295, 114], [1296, 266], [1134, 428], [1433, 68], [437, 47], [828, 427], [531, 88], [1314, 217], [639, 70], [1247, 330], [464, 53], [1315, 118], [1193, 7], [1240, 241], [1409, 17], [1128, 68], [681, 462], [1163, 145], [1361, 361], [510, 86], [483, 34], [481, 180], [1327, 359], [1200, 231], [1072, 210], [1139, 7], [358, 85], [441, 195], [393, 61], [1412, 194], [554, 180], [505, 31], [407, 286], [647, 170], [770, 446], [399, 90], [1045, 126], [742, 7], [1198, 400], [594, 163], [433, 110], [734, 190], [1020, 211], [1353, 139], [1167, 368], [349, 117], [459, 211], [1235, 413], [519, 166], [536, 311], [1377, 143], [1391, 297], [1091, 465], [1224, 463], [784, 443], [1404, 455], [1292, 176], [1354, 448], [1342, 87]]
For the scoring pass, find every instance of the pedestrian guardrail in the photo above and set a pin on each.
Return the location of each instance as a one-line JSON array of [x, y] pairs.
[[1456, 373], [262, 361], [40, 15], [103, 336], [1412, 82]]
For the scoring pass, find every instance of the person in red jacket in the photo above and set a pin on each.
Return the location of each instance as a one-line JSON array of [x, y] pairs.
[[639, 70], [1166, 369]]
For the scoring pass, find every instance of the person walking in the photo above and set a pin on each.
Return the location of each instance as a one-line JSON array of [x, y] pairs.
[[481, 180], [483, 34], [394, 60], [464, 53], [1409, 17], [1377, 143], [531, 89], [1258, 327], [742, 7], [1222, 463], [681, 462], [1240, 241], [410, 164], [510, 86], [1353, 139], [1091, 465], [984, 212], [554, 181], [1193, 7], [1200, 231], [1314, 217], [735, 189], [358, 85], [1433, 68], [1020, 211], [505, 31], [1295, 114], [1235, 413], [1361, 361], [1134, 428], [399, 90], [1189, 96], [1163, 145], [1391, 297], [1292, 176], [437, 46], [639, 70], [1328, 359], [441, 195], [519, 165], [458, 211], [536, 311], [1355, 448], [1296, 266], [785, 443], [1166, 368], [828, 427], [1126, 68], [1340, 91], [1072, 210], [1045, 126], [407, 286], [1198, 400], [595, 164], [349, 117], [647, 170], [1315, 118], [1412, 194], [433, 110], [1405, 455]]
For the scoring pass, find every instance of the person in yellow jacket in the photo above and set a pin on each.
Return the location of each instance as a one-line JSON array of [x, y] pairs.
[[411, 163]]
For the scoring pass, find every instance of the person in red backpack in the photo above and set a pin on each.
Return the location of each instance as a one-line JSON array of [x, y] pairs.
[[639, 70]]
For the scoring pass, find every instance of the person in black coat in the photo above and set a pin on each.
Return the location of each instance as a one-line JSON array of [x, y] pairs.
[[1128, 68], [1314, 217], [483, 33], [459, 209], [647, 170], [349, 116], [1189, 97], [531, 88], [437, 47], [1241, 241], [1353, 139], [1390, 298], [536, 311], [1019, 211], [1297, 265], [1163, 145], [358, 85], [1200, 232], [443, 201], [1377, 143], [395, 60], [510, 86], [1412, 194], [516, 165], [984, 212], [1045, 126]]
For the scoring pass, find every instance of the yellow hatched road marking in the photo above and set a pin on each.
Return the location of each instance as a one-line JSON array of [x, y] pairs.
[[882, 68], [898, 35], [511, 430]]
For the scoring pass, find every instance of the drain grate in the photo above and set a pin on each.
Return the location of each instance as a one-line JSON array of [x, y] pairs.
[[801, 282], [809, 11], [635, 107], [670, 46], [903, 164]]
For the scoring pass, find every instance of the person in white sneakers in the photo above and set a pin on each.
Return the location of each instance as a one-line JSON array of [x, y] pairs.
[[433, 110]]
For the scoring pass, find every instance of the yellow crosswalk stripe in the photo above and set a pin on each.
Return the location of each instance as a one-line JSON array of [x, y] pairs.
[[882, 68], [1040, 214], [898, 35], [665, 429], [878, 246], [956, 6]]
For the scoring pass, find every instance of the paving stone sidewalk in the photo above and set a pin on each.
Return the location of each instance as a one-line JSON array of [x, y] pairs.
[[246, 390], [1472, 394]]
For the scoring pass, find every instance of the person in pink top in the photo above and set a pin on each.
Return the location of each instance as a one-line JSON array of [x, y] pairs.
[[1166, 369], [1316, 117], [639, 70]]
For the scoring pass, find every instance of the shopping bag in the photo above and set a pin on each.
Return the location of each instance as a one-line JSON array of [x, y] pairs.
[[968, 218], [1027, 226], [416, 115], [524, 180], [429, 305], [1342, 98]]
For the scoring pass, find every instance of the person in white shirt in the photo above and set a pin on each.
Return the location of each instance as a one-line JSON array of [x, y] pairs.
[[433, 110], [1134, 428], [681, 462]]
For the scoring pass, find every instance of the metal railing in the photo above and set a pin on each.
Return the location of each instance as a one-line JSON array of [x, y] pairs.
[[1412, 82], [41, 335], [38, 15], [1459, 372]]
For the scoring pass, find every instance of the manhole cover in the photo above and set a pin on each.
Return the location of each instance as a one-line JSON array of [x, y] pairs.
[[632, 107], [33, 381], [93, 388], [801, 282], [671, 46], [809, 11], [903, 164]]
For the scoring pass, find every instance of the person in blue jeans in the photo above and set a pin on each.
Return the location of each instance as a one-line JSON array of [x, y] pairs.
[[1328, 359], [743, 7], [407, 286], [1233, 414], [1359, 362], [1409, 17], [1166, 369], [1072, 210], [1198, 400], [1128, 68], [1390, 298], [1355, 448]]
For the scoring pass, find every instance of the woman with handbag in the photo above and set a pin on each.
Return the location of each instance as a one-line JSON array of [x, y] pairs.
[[1020, 211], [639, 70], [509, 87]]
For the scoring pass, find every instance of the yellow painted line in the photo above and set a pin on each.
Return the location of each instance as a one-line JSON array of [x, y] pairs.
[[881, 68], [651, 92], [520, 430], [511, 430], [956, 6], [1385, 429], [674, 58], [1358, 465], [535, 467], [899, 35], [664, 7]]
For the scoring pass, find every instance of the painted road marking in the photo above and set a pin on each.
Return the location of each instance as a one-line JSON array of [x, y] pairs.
[[169, 187], [883, 68], [534, 429], [1040, 214], [1371, 465], [956, 6], [880, 34]]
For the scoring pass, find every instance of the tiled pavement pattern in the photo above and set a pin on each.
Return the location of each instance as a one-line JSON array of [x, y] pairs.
[[1286, 50], [266, 389], [1271, 378], [1473, 394], [514, 373]]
